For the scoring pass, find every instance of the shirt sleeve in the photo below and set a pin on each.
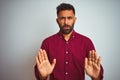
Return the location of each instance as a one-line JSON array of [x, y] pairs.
[[101, 73], [90, 46], [45, 45]]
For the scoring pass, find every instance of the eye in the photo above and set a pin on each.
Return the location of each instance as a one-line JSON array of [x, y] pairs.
[[62, 18], [69, 18]]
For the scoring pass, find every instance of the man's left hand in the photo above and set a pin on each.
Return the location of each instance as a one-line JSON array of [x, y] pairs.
[[92, 65]]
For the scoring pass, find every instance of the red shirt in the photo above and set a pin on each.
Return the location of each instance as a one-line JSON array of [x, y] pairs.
[[70, 56]]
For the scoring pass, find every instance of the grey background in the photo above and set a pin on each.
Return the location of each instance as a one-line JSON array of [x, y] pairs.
[[25, 23]]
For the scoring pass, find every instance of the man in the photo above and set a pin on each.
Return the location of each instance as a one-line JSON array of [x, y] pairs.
[[67, 55]]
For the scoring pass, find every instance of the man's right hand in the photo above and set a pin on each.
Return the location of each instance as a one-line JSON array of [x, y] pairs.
[[43, 64]]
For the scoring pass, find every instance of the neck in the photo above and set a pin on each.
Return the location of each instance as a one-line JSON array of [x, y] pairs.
[[67, 36]]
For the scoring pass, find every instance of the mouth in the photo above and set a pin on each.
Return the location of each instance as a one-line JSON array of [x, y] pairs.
[[66, 27]]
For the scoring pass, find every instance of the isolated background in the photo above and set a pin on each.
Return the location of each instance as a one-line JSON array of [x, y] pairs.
[[25, 23]]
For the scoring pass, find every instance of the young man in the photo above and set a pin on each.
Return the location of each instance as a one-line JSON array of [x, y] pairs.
[[67, 55]]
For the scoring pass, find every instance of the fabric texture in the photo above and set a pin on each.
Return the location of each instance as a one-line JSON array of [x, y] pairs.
[[70, 56]]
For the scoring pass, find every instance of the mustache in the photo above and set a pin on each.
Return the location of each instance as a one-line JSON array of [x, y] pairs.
[[66, 25]]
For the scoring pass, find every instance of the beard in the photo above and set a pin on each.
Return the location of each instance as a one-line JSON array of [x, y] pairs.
[[66, 29]]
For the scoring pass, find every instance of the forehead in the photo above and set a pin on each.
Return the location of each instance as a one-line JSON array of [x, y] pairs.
[[66, 13]]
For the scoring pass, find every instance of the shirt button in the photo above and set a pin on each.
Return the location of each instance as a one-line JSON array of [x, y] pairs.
[[66, 42], [60, 36], [66, 73], [66, 62], [66, 52]]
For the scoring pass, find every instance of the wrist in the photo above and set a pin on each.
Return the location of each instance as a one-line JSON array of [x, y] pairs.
[[43, 78], [98, 78]]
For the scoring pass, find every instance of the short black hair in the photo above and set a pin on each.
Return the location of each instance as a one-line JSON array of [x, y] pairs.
[[65, 6]]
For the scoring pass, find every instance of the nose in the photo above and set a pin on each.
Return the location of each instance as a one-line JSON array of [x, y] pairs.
[[66, 21]]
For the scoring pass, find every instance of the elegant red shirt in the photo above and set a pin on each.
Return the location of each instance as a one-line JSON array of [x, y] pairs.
[[70, 56]]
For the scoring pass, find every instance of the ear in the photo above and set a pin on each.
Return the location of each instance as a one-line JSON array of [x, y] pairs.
[[75, 19], [57, 20]]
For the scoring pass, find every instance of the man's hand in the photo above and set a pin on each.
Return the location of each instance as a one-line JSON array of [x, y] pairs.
[[43, 64], [92, 65]]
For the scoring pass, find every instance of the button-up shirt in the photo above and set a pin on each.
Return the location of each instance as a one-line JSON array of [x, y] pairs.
[[70, 55]]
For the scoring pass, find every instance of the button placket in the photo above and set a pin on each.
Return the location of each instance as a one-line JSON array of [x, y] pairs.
[[66, 60]]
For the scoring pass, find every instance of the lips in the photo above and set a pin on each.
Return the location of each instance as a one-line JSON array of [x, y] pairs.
[[66, 27]]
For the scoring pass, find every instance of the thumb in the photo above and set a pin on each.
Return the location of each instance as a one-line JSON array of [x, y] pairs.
[[53, 63], [99, 61], [86, 62]]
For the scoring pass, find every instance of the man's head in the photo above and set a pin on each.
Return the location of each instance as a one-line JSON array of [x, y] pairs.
[[66, 17], [65, 6]]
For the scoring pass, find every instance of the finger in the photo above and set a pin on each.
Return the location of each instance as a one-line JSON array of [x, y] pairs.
[[96, 55], [37, 61], [41, 53], [90, 55], [86, 62], [45, 55], [39, 57], [99, 61], [53, 63], [93, 53]]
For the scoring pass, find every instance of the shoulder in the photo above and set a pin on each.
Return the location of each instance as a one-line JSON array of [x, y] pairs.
[[86, 41], [82, 37], [50, 38]]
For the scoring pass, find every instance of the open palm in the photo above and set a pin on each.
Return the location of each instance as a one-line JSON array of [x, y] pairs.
[[43, 64], [92, 65]]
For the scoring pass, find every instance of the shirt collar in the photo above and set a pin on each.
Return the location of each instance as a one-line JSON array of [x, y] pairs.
[[61, 35]]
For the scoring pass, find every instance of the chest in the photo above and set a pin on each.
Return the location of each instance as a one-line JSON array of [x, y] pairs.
[[67, 51]]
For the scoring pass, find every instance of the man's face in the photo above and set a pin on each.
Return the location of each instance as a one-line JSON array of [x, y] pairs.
[[66, 20]]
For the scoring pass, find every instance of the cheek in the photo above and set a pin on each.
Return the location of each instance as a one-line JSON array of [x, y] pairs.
[[60, 23], [71, 23]]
